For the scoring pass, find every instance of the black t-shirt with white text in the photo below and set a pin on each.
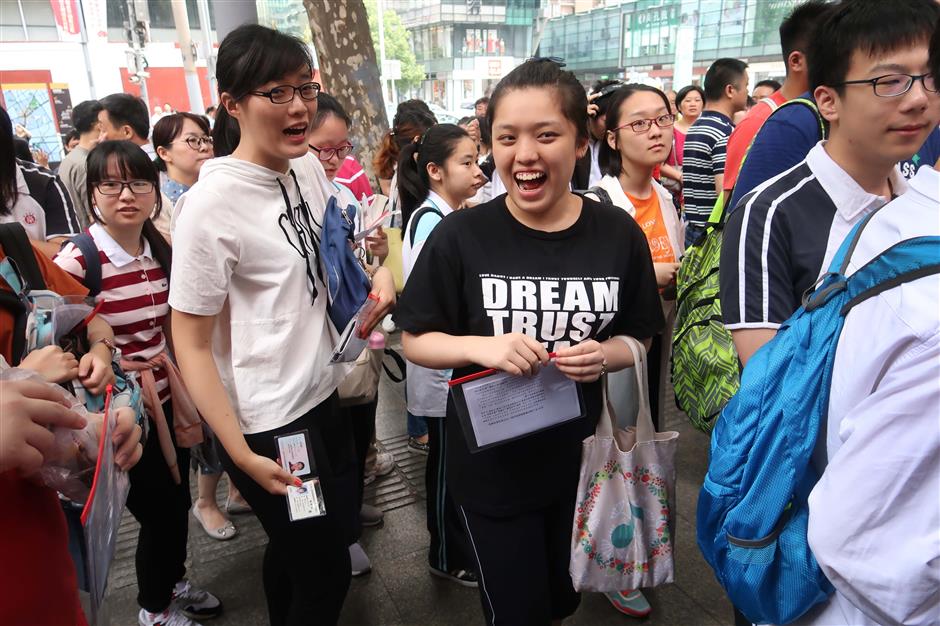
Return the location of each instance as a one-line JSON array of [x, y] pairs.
[[483, 273]]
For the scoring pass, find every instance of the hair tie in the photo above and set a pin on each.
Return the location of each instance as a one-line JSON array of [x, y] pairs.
[[560, 62]]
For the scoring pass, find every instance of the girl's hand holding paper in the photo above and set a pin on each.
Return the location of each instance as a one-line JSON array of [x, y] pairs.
[[515, 353]]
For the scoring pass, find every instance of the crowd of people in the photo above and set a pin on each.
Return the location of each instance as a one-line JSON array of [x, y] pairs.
[[535, 232]]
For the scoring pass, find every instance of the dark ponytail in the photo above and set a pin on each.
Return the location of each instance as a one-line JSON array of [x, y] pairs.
[[436, 145], [136, 165], [226, 133], [411, 120]]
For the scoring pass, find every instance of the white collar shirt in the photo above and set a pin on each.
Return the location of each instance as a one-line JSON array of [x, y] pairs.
[[874, 515]]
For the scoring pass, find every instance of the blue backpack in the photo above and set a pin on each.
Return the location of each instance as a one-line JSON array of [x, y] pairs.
[[752, 509], [346, 280]]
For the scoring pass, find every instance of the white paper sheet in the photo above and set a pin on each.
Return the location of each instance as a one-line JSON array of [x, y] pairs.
[[504, 406]]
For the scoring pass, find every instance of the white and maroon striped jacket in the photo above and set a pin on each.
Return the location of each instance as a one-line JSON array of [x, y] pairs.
[[134, 290]]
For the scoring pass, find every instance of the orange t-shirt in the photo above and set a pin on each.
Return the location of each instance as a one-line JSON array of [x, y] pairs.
[[37, 577], [650, 218], [742, 136]]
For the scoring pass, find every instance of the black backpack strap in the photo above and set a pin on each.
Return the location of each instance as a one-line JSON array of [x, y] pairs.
[[601, 194], [16, 246], [416, 218], [86, 244], [399, 361]]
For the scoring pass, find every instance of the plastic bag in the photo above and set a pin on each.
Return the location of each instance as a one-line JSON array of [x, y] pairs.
[[69, 468]]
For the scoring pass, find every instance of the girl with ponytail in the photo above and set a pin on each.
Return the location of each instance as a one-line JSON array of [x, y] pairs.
[[437, 173]]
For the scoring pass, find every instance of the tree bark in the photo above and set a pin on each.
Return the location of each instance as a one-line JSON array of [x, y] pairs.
[[349, 70]]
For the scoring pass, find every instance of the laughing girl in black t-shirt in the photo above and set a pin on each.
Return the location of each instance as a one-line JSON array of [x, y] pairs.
[[536, 270]]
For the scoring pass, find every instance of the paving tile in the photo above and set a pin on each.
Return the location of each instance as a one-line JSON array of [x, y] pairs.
[[425, 599], [400, 591]]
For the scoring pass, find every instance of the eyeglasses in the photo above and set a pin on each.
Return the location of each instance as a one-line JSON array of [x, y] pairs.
[[641, 126], [325, 154], [196, 143], [282, 94], [891, 85], [116, 187]]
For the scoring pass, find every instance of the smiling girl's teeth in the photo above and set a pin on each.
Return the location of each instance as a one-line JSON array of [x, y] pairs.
[[529, 175]]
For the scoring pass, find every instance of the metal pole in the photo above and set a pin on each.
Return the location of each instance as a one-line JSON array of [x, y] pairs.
[[137, 47], [207, 41], [380, 8], [188, 50], [19, 4], [85, 52]]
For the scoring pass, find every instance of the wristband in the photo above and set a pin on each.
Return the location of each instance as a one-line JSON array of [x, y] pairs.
[[107, 342]]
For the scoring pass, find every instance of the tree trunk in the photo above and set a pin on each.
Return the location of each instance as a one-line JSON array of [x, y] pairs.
[[350, 71]]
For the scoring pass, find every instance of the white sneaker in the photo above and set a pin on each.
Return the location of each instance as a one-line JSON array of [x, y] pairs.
[[383, 466], [195, 602], [360, 560], [171, 617]]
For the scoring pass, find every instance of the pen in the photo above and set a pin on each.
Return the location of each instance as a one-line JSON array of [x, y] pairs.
[[482, 374]]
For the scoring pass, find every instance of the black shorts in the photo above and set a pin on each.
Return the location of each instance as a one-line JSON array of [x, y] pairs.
[[522, 562]]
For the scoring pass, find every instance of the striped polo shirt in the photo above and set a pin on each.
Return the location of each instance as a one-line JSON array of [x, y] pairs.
[[134, 290], [703, 158], [784, 235]]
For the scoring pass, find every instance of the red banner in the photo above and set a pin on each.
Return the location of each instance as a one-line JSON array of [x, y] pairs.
[[66, 16]]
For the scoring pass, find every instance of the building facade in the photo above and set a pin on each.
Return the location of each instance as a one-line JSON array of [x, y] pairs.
[[658, 39], [466, 46]]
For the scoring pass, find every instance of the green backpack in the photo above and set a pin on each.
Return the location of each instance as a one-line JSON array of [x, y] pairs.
[[704, 361]]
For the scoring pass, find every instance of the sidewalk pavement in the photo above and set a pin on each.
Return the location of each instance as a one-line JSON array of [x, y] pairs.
[[399, 590]]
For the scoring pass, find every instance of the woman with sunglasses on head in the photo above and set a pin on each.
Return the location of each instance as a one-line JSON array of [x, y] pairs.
[[330, 143], [639, 136], [250, 323], [123, 190]]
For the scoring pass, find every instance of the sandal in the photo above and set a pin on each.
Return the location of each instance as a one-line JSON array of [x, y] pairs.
[[236, 508], [224, 533]]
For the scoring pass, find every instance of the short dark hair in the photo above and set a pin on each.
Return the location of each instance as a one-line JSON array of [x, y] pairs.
[[609, 88], [328, 105], [85, 115], [796, 29], [134, 164], [768, 82], [870, 26], [483, 100], [935, 53], [720, 74], [169, 127], [123, 108], [210, 109], [8, 189], [545, 73], [685, 91], [608, 158], [72, 134]]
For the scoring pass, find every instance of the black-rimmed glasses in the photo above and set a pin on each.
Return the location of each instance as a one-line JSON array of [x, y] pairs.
[[325, 154], [641, 126], [891, 85], [196, 143], [116, 187], [282, 94]]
